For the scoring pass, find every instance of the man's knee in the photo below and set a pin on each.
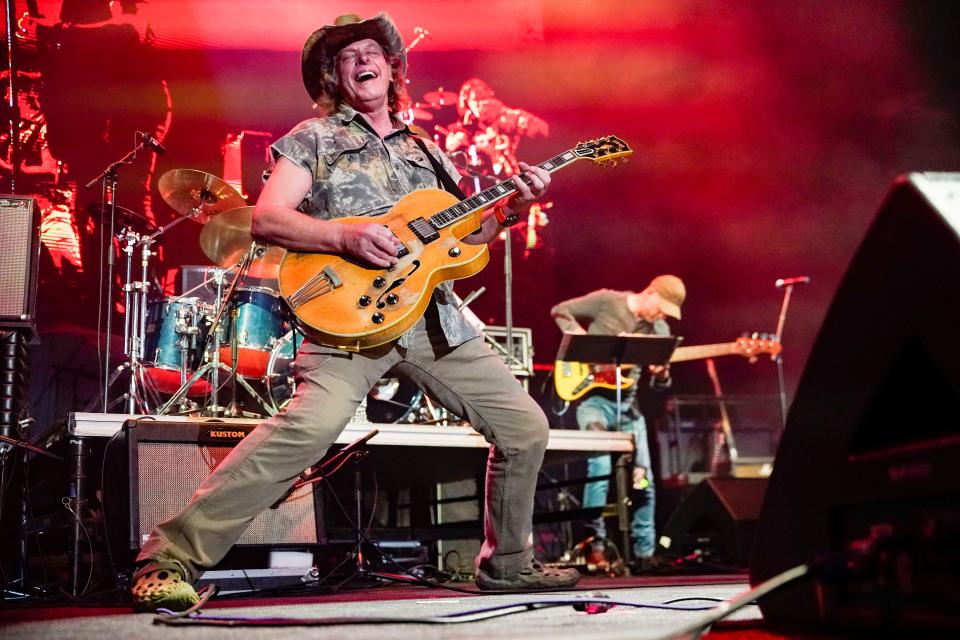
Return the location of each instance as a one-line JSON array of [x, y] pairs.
[[536, 429]]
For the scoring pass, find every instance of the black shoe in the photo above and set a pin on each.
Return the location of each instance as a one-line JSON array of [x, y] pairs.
[[535, 577]]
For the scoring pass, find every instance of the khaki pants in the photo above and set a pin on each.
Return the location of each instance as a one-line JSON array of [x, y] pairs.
[[470, 380]]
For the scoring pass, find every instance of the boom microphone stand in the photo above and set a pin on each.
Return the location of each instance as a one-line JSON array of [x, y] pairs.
[[787, 285]]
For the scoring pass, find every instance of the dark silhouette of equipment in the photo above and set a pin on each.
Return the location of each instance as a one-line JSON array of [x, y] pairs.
[[866, 473]]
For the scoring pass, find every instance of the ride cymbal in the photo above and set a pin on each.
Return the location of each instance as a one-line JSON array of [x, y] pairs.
[[226, 238], [198, 194]]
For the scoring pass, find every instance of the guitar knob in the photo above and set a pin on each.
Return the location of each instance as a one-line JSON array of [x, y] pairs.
[[379, 282], [377, 318], [393, 298], [364, 301], [454, 252]]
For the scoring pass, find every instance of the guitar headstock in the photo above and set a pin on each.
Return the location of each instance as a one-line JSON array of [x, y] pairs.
[[757, 344], [609, 149]]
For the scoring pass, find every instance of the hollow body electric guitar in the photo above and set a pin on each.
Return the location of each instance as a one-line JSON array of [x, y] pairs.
[[573, 379], [345, 302]]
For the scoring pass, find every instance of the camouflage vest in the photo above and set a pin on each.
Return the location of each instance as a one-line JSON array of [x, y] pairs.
[[356, 173]]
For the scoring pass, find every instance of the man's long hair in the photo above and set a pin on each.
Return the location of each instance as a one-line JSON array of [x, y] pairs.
[[330, 99]]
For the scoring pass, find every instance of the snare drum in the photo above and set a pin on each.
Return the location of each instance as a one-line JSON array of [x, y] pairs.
[[175, 330], [258, 326]]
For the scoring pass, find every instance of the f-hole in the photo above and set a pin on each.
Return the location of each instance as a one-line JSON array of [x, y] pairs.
[[396, 283]]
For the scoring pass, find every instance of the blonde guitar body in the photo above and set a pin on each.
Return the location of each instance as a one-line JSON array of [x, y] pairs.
[[337, 299], [343, 302]]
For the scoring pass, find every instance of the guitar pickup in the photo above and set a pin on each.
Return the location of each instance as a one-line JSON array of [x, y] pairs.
[[424, 230]]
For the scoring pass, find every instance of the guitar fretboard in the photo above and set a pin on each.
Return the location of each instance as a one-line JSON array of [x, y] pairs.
[[485, 198], [682, 354]]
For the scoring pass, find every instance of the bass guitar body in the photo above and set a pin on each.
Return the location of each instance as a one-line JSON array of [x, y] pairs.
[[574, 379], [345, 302]]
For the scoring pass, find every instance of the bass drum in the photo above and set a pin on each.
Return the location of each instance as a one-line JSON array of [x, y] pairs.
[[391, 400]]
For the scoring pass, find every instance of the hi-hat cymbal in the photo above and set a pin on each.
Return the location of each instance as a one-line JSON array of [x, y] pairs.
[[126, 216], [266, 262], [226, 238], [198, 194], [440, 98]]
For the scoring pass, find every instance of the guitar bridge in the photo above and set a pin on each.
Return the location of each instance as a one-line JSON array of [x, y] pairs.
[[320, 284]]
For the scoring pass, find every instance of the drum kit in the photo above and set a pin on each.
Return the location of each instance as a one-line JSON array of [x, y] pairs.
[[231, 335]]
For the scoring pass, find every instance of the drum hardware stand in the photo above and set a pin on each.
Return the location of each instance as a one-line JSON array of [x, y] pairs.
[[213, 366], [438, 415], [108, 179], [140, 392]]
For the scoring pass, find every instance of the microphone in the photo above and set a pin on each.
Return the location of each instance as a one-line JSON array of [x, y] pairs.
[[153, 143], [785, 282]]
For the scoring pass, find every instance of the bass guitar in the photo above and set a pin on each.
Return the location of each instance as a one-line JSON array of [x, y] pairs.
[[342, 301], [573, 379]]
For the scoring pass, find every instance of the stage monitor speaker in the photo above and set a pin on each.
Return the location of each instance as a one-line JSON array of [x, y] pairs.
[[715, 524], [871, 447], [20, 239], [167, 461]]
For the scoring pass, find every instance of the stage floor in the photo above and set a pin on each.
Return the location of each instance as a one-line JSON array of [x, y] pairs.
[[412, 602]]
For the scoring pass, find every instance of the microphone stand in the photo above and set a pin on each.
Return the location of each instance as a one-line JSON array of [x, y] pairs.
[[108, 185], [787, 292]]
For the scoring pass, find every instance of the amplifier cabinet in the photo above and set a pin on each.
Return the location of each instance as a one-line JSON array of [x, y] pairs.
[[168, 461], [20, 239]]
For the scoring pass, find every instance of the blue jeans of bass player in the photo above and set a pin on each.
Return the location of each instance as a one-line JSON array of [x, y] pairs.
[[600, 412]]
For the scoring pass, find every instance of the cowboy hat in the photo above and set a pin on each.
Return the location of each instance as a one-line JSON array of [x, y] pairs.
[[324, 44]]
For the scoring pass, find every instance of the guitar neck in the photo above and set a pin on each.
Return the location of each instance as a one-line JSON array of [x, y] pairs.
[[683, 354], [487, 197]]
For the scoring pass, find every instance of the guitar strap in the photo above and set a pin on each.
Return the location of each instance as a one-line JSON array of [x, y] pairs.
[[442, 176]]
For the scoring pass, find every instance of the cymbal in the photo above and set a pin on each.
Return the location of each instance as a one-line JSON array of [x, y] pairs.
[[198, 194], [226, 238], [266, 262], [124, 214], [440, 98]]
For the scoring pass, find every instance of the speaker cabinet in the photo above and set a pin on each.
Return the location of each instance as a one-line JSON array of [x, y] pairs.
[[168, 461], [20, 239], [872, 439], [716, 522]]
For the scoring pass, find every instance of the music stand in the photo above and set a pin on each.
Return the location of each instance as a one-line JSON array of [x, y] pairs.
[[630, 348]]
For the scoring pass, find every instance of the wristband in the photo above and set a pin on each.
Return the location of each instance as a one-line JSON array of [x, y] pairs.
[[504, 219]]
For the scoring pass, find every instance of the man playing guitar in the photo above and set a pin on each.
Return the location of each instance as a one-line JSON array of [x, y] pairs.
[[608, 312], [359, 159]]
